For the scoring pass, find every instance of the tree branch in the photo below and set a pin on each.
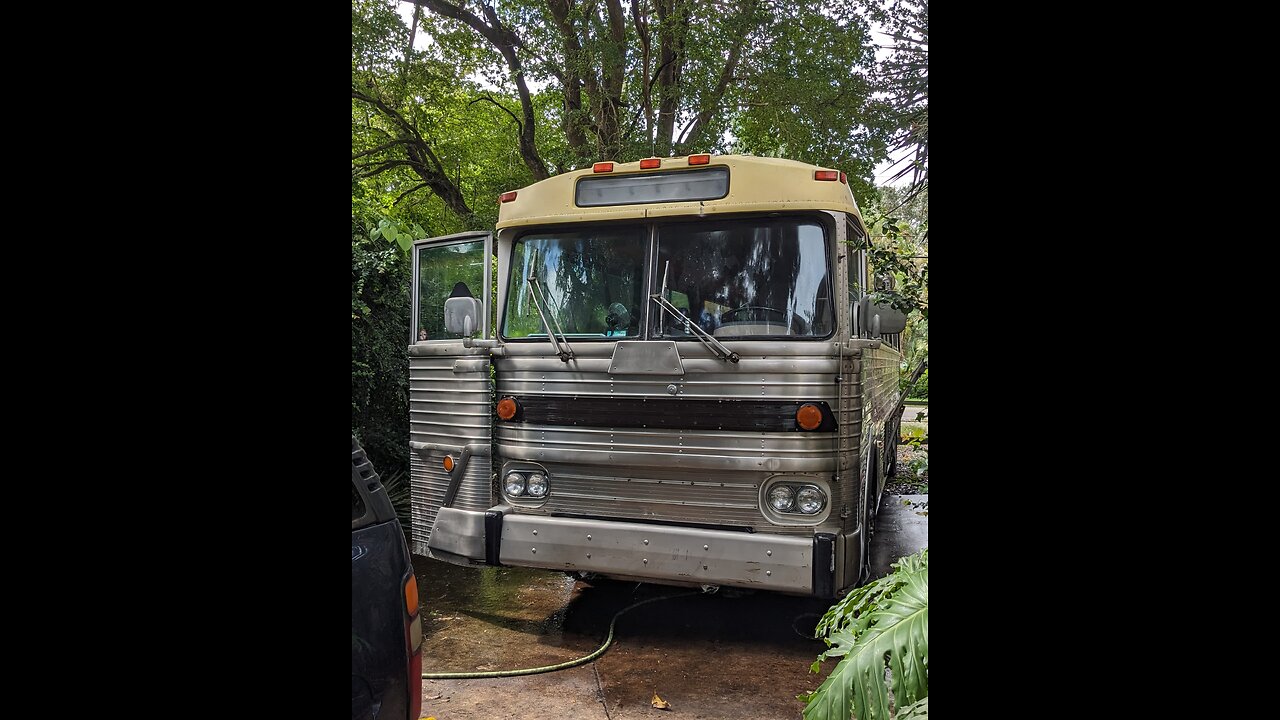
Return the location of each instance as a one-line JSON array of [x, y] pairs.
[[380, 148], [505, 41], [504, 108], [420, 158], [404, 194], [726, 76]]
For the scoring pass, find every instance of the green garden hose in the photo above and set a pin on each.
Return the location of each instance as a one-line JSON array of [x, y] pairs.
[[561, 666]]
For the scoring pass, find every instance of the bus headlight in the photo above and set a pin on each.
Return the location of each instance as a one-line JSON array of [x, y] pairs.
[[782, 498], [537, 486], [810, 500], [514, 485], [789, 500]]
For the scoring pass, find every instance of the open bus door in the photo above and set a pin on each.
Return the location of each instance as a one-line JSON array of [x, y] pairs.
[[450, 390]]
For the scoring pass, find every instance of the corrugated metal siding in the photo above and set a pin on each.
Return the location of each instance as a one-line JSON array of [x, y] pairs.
[[452, 409], [697, 476], [880, 371], [850, 419], [881, 367]]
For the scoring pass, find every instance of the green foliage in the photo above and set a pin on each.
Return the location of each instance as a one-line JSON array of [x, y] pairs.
[[808, 97], [379, 336], [903, 81], [919, 465], [915, 711], [888, 618], [397, 485], [921, 391]]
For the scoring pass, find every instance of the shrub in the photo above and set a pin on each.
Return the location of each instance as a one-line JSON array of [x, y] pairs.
[[888, 618], [379, 359]]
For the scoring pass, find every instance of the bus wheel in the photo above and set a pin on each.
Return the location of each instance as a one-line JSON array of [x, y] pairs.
[[891, 431], [870, 500]]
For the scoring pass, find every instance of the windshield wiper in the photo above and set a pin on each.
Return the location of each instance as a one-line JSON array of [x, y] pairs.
[[565, 354], [690, 327]]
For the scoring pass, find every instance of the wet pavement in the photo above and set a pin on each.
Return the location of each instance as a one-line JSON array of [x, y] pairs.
[[734, 654], [728, 655], [901, 528]]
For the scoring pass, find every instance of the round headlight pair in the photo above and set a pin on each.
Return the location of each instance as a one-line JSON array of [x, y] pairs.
[[806, 499], [535, 485]]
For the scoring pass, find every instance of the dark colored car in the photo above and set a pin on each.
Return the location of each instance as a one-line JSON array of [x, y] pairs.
[[386, 627]]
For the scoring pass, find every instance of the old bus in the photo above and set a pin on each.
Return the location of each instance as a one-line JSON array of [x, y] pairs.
[[686, 384]]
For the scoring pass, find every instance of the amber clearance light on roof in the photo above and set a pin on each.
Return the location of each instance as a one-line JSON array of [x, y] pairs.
[[826, 175], [699, 159], [602, 167], [650, 163], [507, 196]]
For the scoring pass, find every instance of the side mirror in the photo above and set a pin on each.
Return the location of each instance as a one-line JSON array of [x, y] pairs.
[[880, 319], [462, 315]]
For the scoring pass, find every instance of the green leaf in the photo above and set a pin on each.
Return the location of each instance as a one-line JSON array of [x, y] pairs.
[[892, 620], [405, 241], [915, 711]]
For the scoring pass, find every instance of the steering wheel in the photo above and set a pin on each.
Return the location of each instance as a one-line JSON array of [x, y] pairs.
[[732, 314]]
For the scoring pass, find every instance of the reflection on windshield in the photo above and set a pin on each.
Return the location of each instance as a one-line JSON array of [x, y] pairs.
[[591, 280], [746, 278]]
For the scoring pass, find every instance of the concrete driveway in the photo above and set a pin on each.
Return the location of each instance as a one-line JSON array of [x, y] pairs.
[[731, 655]]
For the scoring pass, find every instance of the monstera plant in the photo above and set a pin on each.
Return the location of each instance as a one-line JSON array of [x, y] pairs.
[[882, 624]]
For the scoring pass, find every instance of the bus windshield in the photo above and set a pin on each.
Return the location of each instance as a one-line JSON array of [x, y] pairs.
[[589, 283], [745, 278]]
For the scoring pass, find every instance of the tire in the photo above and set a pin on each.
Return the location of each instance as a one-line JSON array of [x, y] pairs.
[[892, 433], [870, 503]]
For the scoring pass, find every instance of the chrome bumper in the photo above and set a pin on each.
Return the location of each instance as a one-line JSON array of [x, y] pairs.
[[640, 550]]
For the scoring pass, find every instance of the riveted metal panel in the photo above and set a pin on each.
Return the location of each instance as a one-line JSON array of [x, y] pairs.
[[676, 554]]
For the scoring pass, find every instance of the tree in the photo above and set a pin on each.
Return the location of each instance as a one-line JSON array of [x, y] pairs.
[[904, 77], [580, 81]]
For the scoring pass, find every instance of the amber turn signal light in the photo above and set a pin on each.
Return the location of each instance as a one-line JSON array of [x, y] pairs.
[[808, 417], [448, 463], [507, 408], [411, 595]]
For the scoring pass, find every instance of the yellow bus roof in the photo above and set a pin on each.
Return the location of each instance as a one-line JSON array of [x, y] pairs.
[[755, 184]]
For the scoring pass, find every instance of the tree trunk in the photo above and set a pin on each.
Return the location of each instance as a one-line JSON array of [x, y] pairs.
[[505, 41], [570, 79], [638, 14], [672, 27]]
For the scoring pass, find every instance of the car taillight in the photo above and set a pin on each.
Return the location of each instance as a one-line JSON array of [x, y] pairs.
[[415, 684], [413, 641], [411, 595]]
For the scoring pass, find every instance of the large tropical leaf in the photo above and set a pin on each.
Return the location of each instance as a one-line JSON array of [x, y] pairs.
[[915, 711], [884, 624]]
